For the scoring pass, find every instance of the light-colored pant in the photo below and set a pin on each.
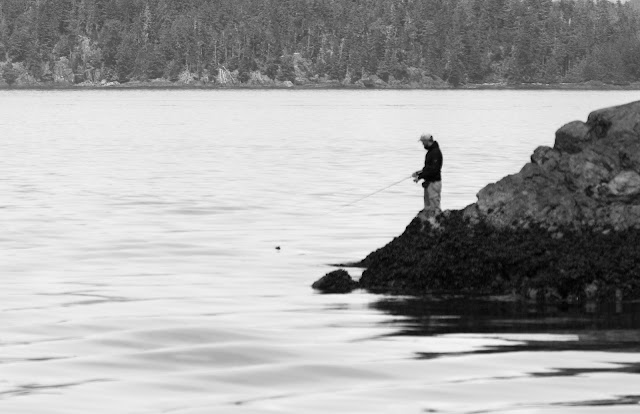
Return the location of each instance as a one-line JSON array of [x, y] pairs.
[[432, 198]]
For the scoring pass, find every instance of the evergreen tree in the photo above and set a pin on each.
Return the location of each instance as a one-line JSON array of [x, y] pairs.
[[9, 74], [458, 40]]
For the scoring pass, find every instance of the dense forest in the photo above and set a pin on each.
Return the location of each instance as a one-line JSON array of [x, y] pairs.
[[243, 41]]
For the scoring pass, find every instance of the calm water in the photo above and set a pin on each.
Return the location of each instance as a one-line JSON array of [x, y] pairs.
[[139, 272]]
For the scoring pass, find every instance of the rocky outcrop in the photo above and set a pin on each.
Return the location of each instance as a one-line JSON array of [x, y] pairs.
[[590, 178], [567, 226]]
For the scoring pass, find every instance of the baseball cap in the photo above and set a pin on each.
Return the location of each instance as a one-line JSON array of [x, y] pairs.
[[426, 137]]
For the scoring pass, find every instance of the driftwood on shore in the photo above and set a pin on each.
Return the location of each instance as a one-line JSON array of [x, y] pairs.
[[567, 226]]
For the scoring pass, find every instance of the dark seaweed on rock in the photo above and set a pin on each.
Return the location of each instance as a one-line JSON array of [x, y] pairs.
[[337, 281], [478, 258]]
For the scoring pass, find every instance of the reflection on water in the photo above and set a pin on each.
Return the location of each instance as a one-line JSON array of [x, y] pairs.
[[622, 400], [594, 326], [536, 354]]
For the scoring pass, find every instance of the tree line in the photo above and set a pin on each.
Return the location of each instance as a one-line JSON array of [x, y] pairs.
[[459, 41]]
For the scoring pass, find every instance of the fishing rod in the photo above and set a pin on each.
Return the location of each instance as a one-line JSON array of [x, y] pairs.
[[372, 194]]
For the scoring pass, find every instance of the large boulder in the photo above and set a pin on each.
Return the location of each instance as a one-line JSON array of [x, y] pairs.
[[591, 177]]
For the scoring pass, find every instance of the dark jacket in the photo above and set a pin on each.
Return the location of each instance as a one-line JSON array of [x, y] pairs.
[[432, 164]]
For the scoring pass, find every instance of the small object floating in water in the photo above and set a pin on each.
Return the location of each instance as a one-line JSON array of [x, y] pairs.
[[277, 247]]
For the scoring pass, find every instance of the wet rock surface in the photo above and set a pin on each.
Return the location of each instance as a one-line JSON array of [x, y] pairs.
[[566, 227], [337, 281], [564, 264]]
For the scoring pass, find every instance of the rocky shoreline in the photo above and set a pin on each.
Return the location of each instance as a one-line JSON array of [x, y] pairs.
[[320, 85], [566, 227], [300, 75]]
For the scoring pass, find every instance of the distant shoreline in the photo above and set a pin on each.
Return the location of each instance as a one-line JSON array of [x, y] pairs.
[[586, 86]]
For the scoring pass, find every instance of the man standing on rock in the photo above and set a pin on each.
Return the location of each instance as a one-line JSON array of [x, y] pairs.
[[431, 175]]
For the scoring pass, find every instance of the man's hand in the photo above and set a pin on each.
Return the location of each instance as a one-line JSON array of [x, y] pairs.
[[415, 176]]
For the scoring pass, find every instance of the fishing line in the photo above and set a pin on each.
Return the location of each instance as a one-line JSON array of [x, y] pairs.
[[379, 191], [278, 248]]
